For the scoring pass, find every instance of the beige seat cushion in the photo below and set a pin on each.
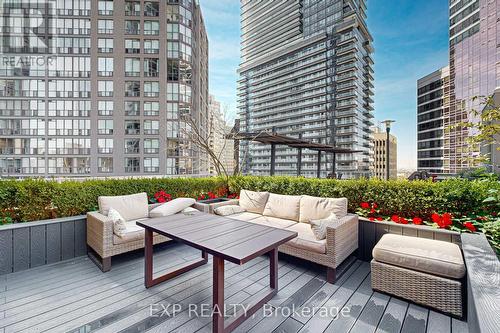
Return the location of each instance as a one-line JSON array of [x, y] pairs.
[[421, 254], [315, 208], [283, 206], [131, 207], [245, 216], [273, 222], [132, 233], [253, 202], [306, 239]]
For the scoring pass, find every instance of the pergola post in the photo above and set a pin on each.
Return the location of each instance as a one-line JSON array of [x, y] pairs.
[[319, 164], [299, 158], [334, 165], [273, 158], [273, 155]]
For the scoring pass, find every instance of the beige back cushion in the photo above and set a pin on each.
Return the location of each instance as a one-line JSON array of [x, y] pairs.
[[253, 202], [130, 207], [314, 208], [283, 206]]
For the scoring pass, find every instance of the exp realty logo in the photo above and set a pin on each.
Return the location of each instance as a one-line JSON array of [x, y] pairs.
[[27, 26]]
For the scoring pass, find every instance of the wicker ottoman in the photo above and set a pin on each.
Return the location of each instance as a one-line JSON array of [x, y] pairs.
[[423, 271]]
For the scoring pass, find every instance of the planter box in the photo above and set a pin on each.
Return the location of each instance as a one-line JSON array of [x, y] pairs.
[[208, 206], [369, 233], [32, 244]]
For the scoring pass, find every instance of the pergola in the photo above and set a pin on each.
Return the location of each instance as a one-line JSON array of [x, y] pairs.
[[274, 139]]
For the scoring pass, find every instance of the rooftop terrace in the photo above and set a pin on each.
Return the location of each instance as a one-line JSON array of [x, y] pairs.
[[75, 296]]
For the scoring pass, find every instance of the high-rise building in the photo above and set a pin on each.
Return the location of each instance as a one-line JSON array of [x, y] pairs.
[[99, 88], [380, 155], [433, 102], [474, 71], [306, 69], [219, 143]]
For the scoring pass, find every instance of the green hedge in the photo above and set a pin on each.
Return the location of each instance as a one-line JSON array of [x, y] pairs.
[[395, 197], [29, 200]]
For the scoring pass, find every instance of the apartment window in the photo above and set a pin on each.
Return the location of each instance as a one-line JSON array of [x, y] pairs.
[[172, 111], [151, 127], [132, 27], [151, 8], [173, 13], [151, 89], [105, 146], [66, 108], [172, 31], [132, 89], [105, 7], [132, 108], [132, 46], [105, 108], [172, 91], [132, 127], [105, 126], [151, 108], [132, 67], [105, 45], [105, 66], [151, 67], [132, 8], [172, 49], [151, 28], [105, 26], [132, 146], [105, 164], [105, 88], [132, 164], [172, 70], [151, 146], [151, 46], [151, 164]]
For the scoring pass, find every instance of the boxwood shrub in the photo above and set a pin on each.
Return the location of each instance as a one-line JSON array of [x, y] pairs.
[[31, 199]]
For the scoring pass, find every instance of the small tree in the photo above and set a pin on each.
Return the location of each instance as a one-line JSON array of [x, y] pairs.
[[486, 129]]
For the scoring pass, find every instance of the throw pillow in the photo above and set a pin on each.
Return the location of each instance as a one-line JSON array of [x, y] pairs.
[[228, 210], [171, 207], [318, 227], [119, 226], [253, 202]]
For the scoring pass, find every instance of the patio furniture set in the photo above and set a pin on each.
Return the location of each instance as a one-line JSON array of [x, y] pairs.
[[424, 271]]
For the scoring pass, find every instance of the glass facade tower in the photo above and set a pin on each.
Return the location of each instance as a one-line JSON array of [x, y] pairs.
[[98, 88], [306, 70]]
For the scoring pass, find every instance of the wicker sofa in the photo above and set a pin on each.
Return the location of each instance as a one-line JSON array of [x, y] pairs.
[[102, 243], [294, 213]]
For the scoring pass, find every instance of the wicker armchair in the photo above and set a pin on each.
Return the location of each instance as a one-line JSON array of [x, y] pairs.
[[100, 240]]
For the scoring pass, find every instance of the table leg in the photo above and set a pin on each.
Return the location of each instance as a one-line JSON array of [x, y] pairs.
[[218, 296], [149, 281], [273, 269], [148, 258]]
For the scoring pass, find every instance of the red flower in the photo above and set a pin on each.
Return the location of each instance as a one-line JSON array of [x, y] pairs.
[[417, 220], [365, 205], [372, 219], [470, 226], [436, 218], [402, 220], [161, 199], [380, 218], [374, 205], [372, 211], [395, 218]]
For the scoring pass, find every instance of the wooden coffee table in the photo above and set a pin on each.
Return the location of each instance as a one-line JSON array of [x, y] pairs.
[[225, 239]]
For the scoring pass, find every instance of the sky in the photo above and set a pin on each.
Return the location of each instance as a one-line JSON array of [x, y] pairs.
[[410, 40]]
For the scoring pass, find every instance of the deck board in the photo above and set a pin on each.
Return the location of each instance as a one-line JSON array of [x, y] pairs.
[[75, 296]]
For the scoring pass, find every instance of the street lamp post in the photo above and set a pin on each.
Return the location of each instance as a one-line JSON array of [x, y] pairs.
[[387, 131]]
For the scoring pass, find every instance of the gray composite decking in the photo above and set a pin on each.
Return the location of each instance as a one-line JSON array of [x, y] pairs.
[[75, 296]]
